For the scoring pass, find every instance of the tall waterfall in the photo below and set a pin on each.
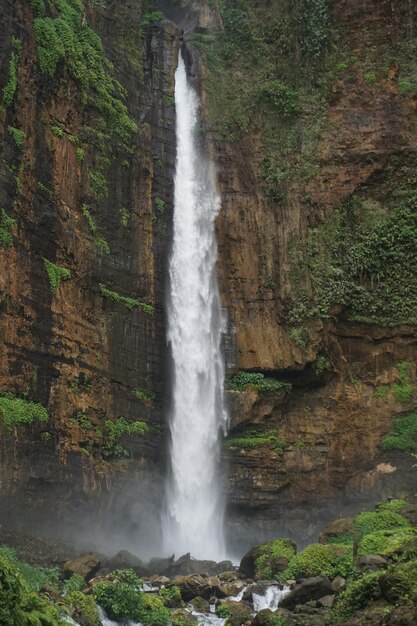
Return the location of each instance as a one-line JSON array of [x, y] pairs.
[[194, 517]]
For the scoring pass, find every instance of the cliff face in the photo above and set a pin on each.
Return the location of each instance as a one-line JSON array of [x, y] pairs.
[[83, 201], [311, 119]]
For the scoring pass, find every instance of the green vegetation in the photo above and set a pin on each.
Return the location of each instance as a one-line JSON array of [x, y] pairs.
[[403, 390], [75, 583], [125, 216], [85, 606], [56, 274], [362, 260], [223, 611], [124, 600], [64, 41], [144, 396], [264, 564], [115, 431], [6, 226], [98, 185], [251, 438], [318, 559], [17, 411], [128, 302], [18, 135], [357, 595], [34, 577], [19, 604], [171, 596], [404, 435], [99, 241], [256, 380], [9, 90]]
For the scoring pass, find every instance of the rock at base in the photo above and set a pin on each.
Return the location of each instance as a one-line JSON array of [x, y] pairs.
[[86, 565], [310, 589]]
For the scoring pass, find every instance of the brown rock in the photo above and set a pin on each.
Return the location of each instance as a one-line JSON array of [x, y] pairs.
[[337, 528], [86, 566], [310, 589]]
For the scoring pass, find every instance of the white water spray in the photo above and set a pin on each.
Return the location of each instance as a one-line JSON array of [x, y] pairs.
[[195, 511]]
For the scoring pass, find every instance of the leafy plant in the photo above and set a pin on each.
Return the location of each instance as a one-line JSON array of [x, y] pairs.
[[253, 439], [357, 595], [264, 564], [144, 396], [171, 596], [17, 411], [18, 135], [115, 431], [6, 226], [9, 90], [403, 391], [85, 608], [99, 241], [98, 185], [404, 434], [245, 380], [56, 274], [129, 303]]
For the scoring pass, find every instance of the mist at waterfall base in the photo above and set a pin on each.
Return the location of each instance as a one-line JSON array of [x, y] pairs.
[[194, 515]]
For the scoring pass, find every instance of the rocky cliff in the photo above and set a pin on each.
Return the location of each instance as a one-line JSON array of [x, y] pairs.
[[309, 109]]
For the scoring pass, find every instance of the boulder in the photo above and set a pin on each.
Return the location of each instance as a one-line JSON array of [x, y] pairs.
[[200, 604], [263, 618], [86, 565], [338, 584], [238, 612], [310, 589], [124, 560], [394, 586], [160, 566], [247, 564], [371, 563], [273, 563], [231, 576], [232, 588], [337, 528], [192, 586], [181, 617], [326, 602]]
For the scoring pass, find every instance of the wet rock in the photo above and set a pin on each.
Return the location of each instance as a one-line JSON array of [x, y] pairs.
[[158, 581], [86, 565], [230, 576], [336, 529], [238, 612], [371, 563], [405, 615], [263, 618], [232, 588], [200, 604], [310, 589], [247, 564], [181, 617], [192, 586], [338, 584]]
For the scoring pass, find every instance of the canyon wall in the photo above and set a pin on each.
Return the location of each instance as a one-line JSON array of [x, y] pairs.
[[312, 126]]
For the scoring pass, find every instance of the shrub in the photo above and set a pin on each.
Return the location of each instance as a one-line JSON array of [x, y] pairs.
[[245, 380], [403, 390], [280, 96], [17, 411], [56, 274], [282, 548], [404, 435], [171, 596], [357, 595], [318, 559], [371, 522], [147, 397], [386, 541], [253, 439], [75, 583], [116, 430], [85, 608]]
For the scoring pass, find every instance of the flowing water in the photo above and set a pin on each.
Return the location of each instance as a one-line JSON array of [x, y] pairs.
[[270, 599], [194, 517]]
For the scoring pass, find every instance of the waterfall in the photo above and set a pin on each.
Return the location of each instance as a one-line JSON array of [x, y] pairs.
[[193, 521]]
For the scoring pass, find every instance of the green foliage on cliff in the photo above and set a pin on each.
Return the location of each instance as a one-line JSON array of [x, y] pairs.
[[144, 396], [403, 390], [250, 438], [18, 411], [65, 42], [404, 434], [256, 380], [9, 90], [18, 135], [99, 241], [56, 274], [115, 431], [6, 226], [362, 262], [129, 303]]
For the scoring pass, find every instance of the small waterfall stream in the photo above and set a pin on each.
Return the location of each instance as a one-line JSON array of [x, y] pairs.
[[193, 521]]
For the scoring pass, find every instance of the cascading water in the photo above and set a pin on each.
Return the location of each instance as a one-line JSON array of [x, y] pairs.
[[193, 521]]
